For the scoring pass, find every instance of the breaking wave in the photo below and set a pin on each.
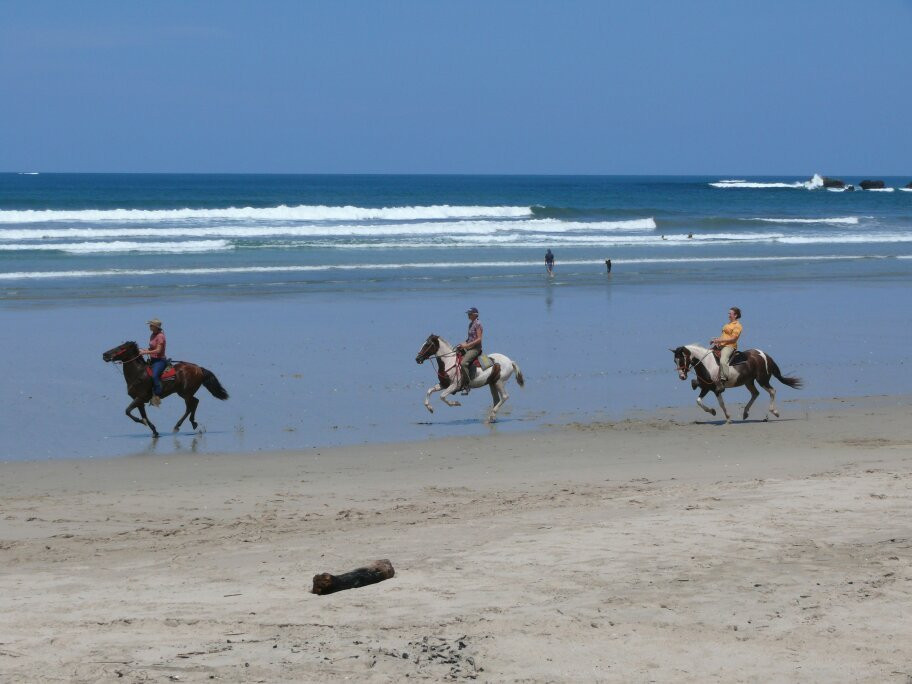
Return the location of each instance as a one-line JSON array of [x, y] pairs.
[[814, 183], [279, 213], [111, 247], [845, 220], [333, 231]]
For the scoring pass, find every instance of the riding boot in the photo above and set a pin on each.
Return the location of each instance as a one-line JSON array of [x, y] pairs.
[[465, 383]]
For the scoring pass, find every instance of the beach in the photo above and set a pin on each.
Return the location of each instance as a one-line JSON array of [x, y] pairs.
[[654, 548]]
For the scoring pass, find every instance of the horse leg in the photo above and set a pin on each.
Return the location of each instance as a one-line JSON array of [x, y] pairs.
[[722, 406], [700, 403], [134, 404], [193, 413], [447, 392], [500, 396], [427, 403], [772, 392], [145, 418], [189, 407], [754, 394]]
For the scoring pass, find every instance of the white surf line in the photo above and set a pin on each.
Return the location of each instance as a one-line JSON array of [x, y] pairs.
[[25, 275], [302, 212]]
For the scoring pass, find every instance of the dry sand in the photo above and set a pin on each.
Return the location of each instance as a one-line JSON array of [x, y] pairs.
[[653, 549]]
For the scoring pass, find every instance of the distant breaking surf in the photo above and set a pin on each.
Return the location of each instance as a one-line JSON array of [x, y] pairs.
[[279, 213], [813, 184]]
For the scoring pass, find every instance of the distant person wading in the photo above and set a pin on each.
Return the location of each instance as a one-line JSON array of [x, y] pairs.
[[549, 262]]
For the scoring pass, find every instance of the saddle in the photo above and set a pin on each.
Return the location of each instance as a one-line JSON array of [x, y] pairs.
[[167, 374], [481, 364], [737, 358]]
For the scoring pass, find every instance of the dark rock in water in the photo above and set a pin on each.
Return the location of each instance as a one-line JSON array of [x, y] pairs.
[[909, 185], [850, 188], [832, 183], [872, 185]]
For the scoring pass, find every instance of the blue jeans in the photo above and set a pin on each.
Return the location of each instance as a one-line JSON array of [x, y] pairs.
[[158, 367]]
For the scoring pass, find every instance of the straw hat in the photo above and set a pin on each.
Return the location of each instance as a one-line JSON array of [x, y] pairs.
[[157, 323]]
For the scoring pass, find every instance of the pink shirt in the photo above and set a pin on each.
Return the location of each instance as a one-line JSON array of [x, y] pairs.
[[475, 330], [157, 340]]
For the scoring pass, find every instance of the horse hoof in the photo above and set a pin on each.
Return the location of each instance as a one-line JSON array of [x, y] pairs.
[[775, 413], [713, 411], [766, 420], [155, 435], [456, 403]]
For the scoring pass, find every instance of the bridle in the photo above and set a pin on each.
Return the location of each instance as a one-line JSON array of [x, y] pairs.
[[445, 372], [122, 362], [685, 368]]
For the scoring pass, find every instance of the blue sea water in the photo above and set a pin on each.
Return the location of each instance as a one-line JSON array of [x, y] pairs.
[[309, 296]]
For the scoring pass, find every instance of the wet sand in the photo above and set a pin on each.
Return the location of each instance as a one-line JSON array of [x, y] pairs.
[[654, 548]]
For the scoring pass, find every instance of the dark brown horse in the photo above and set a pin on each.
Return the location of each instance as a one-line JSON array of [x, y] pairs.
[[748, 367], [185, 382]]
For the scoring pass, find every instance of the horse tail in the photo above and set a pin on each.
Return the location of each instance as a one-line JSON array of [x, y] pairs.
[[520, 380], [784, 379], [211, 383]]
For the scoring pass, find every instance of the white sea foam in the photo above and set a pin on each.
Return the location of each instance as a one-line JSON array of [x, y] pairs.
[[906, 189], [121, 246], [880, 190], [847, 220], [878, 238], [345, 230], [280, 213], [41, 275], [813, 184]]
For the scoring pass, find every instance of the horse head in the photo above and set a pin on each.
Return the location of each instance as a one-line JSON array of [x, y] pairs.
[[127, 351], [428, 349], [682, 361]]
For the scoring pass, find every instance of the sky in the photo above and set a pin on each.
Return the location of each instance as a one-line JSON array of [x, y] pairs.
[[426, 86]]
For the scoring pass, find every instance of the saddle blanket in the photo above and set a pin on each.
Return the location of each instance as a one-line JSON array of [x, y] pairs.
[[167, 374]]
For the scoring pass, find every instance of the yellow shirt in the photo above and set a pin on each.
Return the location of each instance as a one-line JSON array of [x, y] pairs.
[[731, 330]]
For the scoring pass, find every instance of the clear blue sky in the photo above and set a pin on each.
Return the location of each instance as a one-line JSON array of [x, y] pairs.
[[640, 86]]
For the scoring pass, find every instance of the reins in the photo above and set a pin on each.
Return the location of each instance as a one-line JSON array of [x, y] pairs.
[[696, 363]]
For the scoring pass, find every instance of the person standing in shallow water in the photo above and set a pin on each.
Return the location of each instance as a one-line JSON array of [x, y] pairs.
[[157, 358], [728, 343], [549, 262]]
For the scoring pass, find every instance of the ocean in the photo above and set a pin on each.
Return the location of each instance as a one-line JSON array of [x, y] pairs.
[[309, 296]]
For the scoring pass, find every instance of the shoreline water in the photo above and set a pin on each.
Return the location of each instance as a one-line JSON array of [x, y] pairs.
[[320, 369]]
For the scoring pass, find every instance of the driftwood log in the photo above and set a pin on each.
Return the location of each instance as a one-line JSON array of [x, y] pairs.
[[380, 570]]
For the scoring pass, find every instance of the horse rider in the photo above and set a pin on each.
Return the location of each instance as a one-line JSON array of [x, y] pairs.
[[157, 359], [727, 342], [471, 348]]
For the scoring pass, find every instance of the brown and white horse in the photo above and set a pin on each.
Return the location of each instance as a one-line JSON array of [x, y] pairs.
[[747, 368], [494, 377]]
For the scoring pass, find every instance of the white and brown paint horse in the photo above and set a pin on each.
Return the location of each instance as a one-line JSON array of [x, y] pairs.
[[747, 367], [448, 371]]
